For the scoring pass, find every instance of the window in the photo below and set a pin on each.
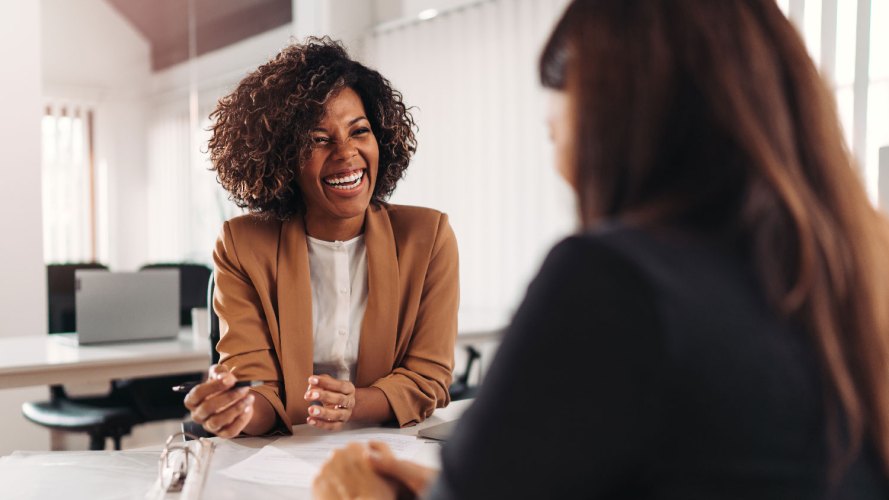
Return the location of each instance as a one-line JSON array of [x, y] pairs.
[[839, 34], [69, 184]]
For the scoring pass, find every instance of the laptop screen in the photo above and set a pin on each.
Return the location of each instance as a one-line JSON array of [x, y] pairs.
[[124, 306]]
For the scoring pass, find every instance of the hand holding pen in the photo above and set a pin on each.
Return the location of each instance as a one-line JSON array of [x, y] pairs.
[[219, 405]]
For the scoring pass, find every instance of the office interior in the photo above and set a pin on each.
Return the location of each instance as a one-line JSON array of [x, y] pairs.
[[107, 109]]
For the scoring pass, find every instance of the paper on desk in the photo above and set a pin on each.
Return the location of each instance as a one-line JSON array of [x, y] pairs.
[[295, 461], [316, 449], [271, 465]]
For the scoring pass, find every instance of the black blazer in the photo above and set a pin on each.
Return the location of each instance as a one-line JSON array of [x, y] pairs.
[[646, 365]]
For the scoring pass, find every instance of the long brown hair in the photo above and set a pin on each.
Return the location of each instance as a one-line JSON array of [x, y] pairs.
[[711, 114]]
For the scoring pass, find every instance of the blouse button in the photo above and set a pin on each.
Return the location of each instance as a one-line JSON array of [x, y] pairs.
[[341, 331]]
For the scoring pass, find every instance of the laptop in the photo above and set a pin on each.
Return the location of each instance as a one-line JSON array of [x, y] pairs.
[[125, 306]]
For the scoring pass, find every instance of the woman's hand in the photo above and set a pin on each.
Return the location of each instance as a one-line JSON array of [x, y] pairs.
[[337, 398], [218, 408], [414, 477], [347, 474], [372, 471]]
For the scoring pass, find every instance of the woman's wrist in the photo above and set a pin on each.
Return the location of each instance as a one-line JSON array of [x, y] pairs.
[[264, 417], [372, 406]]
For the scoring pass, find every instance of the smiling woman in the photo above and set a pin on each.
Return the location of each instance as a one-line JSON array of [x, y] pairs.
[[343, 305]]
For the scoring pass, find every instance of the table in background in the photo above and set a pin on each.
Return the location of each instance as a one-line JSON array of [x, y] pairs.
[[45, 360]]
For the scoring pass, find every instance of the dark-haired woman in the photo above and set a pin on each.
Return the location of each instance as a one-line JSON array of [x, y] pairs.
[[720, 328], [344, 307]]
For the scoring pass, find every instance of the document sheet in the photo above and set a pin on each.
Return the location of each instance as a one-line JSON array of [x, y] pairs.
[[295, 461]]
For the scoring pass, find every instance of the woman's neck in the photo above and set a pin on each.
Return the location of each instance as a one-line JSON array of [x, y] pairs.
[[333, 229]]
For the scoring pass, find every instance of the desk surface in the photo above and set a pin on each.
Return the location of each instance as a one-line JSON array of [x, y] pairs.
[[45, 360], [130, 474]]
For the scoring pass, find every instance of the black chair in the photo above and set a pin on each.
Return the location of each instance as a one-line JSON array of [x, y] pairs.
[[102, 417], [214, 322], [131, 401], [193, 280], [60, 286], [460, 388], [189, 427]]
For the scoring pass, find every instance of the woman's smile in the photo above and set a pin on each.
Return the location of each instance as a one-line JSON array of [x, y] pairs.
[[347, 183]]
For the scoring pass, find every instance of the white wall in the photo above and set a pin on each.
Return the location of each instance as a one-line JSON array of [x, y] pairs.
[[22, 295], [91, 53], [23, 289]]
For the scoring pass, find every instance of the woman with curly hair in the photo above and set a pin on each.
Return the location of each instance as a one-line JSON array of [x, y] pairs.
[[344, 306]]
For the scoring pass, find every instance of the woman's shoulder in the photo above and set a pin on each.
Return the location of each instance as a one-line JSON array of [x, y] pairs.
[[413, 220], [411, 214], [252, 225]]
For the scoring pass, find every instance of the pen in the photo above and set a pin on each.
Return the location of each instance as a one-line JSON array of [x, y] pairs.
[[240, 383]]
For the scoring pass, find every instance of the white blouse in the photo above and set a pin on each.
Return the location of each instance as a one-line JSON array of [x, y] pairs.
[[338, 272]]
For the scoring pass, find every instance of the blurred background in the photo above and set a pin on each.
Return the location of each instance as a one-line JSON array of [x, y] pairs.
[[108, 102]]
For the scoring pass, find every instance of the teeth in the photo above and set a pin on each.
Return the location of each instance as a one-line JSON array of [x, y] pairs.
[[348, 182], [349, 179]]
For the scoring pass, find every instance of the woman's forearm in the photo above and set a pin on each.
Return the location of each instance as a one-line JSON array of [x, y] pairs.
[[263, 417], [372, 406]]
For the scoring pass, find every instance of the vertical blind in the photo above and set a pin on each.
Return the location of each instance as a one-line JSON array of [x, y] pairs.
[[186, 206], [483, 155]]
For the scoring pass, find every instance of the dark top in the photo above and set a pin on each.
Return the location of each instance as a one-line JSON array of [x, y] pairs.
[[646, 365]]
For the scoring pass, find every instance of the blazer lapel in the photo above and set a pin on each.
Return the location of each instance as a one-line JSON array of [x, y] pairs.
[[295, 354], [376, 347]]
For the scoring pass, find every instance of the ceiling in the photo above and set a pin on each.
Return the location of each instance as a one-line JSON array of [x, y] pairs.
[[219, 23]]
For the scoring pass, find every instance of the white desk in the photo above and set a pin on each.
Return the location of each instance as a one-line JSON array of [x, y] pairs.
[[129, 474], [220, 487], [43, 360]]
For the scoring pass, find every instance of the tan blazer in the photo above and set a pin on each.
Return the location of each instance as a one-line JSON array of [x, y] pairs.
[[264, 301]]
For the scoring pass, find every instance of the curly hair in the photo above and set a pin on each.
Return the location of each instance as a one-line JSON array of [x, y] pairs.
[[260, 135]]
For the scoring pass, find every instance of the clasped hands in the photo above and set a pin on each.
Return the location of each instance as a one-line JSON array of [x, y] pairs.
[[332, 402]]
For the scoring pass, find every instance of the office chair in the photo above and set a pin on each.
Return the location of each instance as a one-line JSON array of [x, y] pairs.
[[101, 417], [130, 401], [461, 389], [214, 322], [189, 427]]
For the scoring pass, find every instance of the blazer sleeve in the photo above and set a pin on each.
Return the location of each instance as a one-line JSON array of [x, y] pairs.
[[245, 343], [420, 383]]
